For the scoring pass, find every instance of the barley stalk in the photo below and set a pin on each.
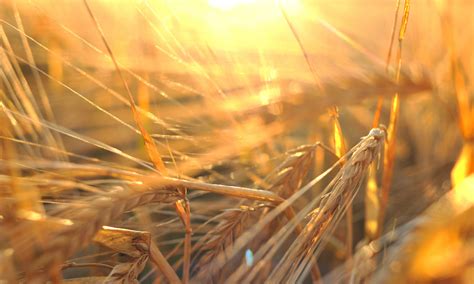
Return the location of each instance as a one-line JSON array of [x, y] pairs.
[[87, 220], [232, 223], [291, 173], [332, 204], [287, 179]]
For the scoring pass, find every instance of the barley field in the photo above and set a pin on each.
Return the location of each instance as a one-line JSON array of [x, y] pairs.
[[236, 141]]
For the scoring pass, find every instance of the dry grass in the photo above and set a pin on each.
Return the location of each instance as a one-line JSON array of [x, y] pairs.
[[226, 150]]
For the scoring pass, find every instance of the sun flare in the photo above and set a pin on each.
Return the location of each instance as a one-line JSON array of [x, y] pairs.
[[228, 4]]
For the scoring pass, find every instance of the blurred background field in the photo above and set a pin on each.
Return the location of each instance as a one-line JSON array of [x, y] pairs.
[[226, 89]]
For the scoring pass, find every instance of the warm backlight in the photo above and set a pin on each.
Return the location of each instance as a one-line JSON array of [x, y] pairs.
[[228, 4]]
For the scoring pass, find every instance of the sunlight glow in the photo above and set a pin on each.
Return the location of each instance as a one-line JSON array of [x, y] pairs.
[[228, 4]]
